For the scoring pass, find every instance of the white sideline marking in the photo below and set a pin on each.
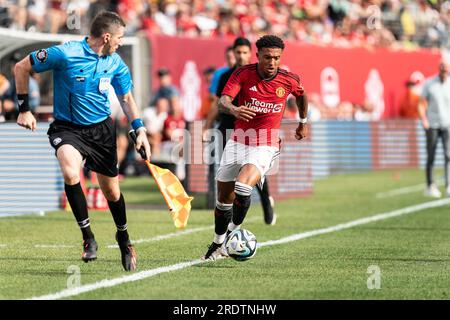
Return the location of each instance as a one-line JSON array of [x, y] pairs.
[[3, 245], [152, 272], [405, 190], [46, 246]]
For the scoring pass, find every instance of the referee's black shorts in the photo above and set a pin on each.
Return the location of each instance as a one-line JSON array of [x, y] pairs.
[[96, 143]]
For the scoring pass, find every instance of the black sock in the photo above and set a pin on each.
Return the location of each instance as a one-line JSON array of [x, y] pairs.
[[120, 218], [241, 205], [241, 202], [77, 202], [222, 216], [265, 201]]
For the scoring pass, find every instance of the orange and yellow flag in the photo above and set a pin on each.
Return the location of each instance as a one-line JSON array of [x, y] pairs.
[[177, 200]]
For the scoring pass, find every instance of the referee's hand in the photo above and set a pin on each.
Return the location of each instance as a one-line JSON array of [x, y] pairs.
[[27, 120], [142, 141]]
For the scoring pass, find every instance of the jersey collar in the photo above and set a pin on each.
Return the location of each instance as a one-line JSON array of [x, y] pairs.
[[87, 48]]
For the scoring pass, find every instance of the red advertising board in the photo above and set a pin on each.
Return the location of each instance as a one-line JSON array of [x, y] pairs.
[[337, 74]]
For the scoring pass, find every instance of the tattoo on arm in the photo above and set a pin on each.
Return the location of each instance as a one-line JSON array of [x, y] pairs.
[[225, 105]]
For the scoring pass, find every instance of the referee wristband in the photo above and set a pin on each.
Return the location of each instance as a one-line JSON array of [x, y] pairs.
[[136, 124], [303, 120], [22, 101]]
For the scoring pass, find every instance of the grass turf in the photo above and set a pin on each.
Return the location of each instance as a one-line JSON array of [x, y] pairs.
[[411, 251]]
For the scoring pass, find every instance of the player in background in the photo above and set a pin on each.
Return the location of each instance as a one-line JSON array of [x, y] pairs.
[[83, 130], [434, 111], [262, 89], [242, 52]]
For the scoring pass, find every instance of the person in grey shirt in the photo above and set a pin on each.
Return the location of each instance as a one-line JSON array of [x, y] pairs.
[[434, 111]]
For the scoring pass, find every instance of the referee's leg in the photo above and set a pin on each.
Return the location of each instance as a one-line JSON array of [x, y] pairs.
[[111, 190], [70, 161]]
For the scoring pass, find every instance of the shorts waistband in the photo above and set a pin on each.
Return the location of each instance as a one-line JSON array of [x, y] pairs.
[[79, 126]]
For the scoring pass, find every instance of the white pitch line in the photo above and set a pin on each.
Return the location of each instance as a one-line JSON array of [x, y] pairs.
[[47, 246], [152, 272], [405, 190], [3, 245]]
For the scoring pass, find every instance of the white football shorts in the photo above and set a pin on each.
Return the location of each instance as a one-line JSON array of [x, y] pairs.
[[236, 155]]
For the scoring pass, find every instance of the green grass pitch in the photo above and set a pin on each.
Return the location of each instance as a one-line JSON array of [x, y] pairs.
[[411, 251]]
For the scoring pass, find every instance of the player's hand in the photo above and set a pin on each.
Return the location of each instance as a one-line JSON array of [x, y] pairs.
[[206, 134], [27, 120], [301, 131], [425, 124], [142, 141], [244, 113]]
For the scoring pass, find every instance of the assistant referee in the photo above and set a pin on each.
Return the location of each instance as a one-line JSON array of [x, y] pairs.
[[83, 72]]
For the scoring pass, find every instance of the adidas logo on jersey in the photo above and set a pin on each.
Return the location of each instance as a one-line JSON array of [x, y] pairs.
[[253, 89]]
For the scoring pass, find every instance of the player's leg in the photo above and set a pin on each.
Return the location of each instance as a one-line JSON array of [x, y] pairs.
[[226, 174], [222, 216], [432, 140], [70, 161], [267, 202], [111, 190], [223, 210], [446, 147], [248, 177]]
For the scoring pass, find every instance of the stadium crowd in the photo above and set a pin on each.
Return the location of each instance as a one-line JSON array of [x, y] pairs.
[[344, 23]]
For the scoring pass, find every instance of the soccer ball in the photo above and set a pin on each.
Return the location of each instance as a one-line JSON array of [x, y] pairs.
[[241, 244]]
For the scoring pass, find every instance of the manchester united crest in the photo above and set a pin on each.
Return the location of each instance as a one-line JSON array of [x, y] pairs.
[[280, 92]]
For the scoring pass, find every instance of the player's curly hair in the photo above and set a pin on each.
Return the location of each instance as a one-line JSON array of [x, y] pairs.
[[269, 41]]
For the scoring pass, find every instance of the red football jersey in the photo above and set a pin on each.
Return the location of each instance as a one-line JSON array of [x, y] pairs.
[[266, 97]]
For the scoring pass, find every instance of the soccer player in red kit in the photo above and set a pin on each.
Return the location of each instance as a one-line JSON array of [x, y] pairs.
[[262, 90]]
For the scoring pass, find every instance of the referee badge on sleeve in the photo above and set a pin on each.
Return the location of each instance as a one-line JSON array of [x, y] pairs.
[[103, 85], [41, 55]]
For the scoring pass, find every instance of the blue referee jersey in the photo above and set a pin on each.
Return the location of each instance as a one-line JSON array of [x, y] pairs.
[[81, 80]]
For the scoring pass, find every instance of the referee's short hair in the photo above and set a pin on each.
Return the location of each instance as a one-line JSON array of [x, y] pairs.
[[269, 41], [104, 22]]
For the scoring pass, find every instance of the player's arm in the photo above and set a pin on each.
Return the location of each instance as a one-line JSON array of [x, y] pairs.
[[131, 110], [423, 104], [302, 105], [242, 112], [422, 107], [21, 74]]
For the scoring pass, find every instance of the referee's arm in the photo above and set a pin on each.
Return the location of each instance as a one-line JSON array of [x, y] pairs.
[[21, 74], [131, 110]]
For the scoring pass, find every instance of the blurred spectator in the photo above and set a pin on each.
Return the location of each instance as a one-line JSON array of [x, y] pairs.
[[4, 86], [206, 100], [346, 23], [172, 139], [10, 107], [154, 118], [167, 90], [409, 103]]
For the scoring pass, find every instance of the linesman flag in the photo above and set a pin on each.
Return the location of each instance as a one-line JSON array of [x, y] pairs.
[[177, 200]]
